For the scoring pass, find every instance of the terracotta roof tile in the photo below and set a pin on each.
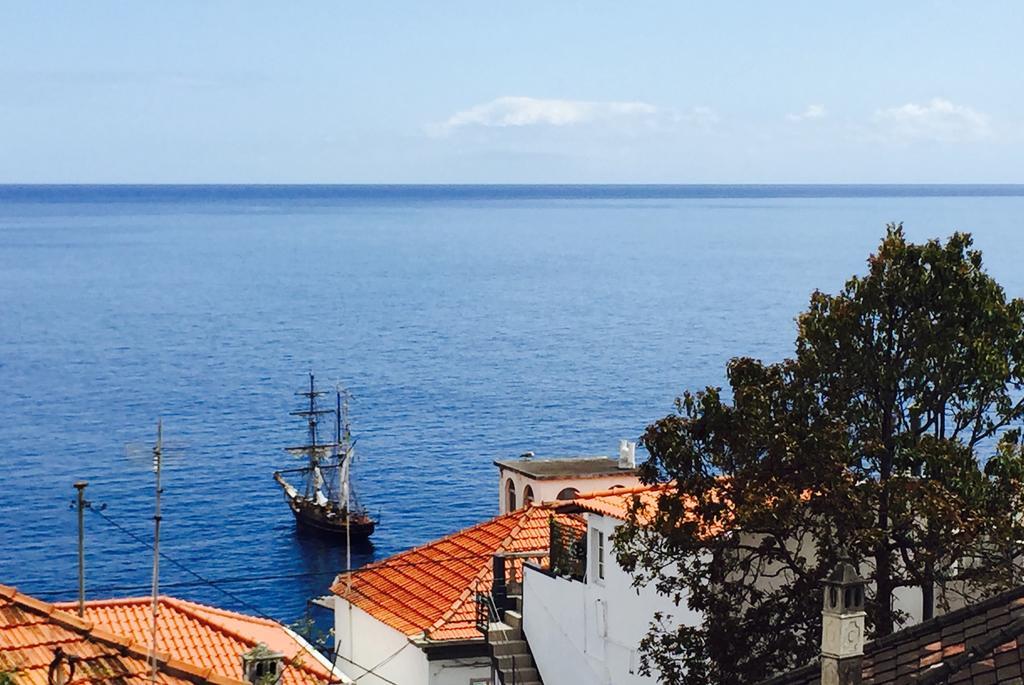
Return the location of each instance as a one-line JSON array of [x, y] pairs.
[[615, 502], [31, 632], [213, 638], [430, 590]]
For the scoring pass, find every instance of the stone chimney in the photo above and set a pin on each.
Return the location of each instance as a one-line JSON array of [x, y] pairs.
[[842, 627], [262, 666], [627, 454]]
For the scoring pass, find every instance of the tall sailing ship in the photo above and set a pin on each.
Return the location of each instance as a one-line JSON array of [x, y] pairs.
[[320, 493]]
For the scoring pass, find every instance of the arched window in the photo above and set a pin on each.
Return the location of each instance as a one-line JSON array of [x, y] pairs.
[[569, 493], [510, 490], [527, 495]]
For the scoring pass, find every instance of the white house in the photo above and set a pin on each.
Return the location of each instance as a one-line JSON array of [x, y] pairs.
[[587, 629], [412, 618], [528, 479]]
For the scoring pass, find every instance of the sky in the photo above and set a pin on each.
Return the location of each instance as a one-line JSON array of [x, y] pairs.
[[518, 92]]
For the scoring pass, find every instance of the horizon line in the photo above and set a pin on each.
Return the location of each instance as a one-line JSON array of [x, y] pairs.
[[509, 184]]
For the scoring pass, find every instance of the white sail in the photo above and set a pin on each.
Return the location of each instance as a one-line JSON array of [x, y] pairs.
[[343, 478], [288, 488], [318, 486]]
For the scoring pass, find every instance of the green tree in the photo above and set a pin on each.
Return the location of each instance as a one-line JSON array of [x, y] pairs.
[[891, 438]]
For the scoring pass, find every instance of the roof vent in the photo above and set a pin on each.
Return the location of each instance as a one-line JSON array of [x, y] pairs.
[[262, 666], [526, 456], [627, 454]]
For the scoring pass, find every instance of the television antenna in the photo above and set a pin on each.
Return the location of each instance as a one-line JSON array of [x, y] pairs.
[[158, 454]]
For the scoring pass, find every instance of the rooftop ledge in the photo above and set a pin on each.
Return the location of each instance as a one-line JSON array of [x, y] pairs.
[[564, 467]]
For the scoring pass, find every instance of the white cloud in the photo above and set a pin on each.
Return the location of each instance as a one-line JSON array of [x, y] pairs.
[[704, 117], [512, 111], [937, 120], [812, 112]]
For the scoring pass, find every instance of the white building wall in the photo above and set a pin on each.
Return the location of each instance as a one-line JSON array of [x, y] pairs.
[[369, 642], [589, 632], [459, 671], [547, 490], [553, 610]]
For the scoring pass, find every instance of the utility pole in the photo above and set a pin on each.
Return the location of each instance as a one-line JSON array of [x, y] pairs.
[[158, 458], [81, 504]]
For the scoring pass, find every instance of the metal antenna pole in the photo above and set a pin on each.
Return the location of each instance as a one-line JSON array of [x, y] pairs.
[[80, 486], [343, 433], [157, 466]]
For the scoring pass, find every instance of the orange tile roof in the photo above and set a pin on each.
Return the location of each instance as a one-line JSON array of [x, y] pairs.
[[430, 590], [201, 634], [615, 502], [32, 632]]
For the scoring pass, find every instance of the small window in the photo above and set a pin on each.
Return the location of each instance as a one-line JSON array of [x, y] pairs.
[[511, 500], [527, 495], [568, 493], [598, 553]]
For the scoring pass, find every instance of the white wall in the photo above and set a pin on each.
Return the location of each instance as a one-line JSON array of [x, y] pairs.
[[548, 489], [589, 632], [553, 611], [372, 641], [907, 600], [369, 643], [459, 671]]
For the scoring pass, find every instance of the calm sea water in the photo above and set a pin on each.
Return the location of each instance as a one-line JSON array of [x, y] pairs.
[[471, 323]]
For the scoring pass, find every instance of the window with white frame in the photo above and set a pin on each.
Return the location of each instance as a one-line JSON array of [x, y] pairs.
[[597, 537]]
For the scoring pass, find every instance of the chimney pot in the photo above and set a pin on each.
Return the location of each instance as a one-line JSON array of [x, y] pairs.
[[842, 627], [262, 666]]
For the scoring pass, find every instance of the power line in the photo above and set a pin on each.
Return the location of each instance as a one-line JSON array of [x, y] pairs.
[[215, 583], [241, 601], [184, 568], [382, 663], [261, 578], [202, 580], [196, 583]]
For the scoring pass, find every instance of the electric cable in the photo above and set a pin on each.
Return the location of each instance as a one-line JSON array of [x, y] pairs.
[[202, 580], [184, 568]]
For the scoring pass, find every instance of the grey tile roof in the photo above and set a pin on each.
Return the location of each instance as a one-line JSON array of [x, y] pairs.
[[982, 644]]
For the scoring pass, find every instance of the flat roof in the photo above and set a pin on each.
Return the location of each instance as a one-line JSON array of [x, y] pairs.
[[564, 467]]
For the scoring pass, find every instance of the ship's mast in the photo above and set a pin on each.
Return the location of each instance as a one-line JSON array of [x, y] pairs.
[[338, 450], [312, 416]]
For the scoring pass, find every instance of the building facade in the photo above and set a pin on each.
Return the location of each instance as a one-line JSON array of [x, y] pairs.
[[586, 627], [528, 479], [413, 618]]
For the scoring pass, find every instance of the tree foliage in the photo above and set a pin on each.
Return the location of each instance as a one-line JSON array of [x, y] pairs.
[[892, 438]]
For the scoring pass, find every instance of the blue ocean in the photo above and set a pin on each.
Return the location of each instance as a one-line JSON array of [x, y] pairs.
[[470, 323]]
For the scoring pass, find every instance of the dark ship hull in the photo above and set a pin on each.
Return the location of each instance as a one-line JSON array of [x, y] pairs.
[[327, 521]]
